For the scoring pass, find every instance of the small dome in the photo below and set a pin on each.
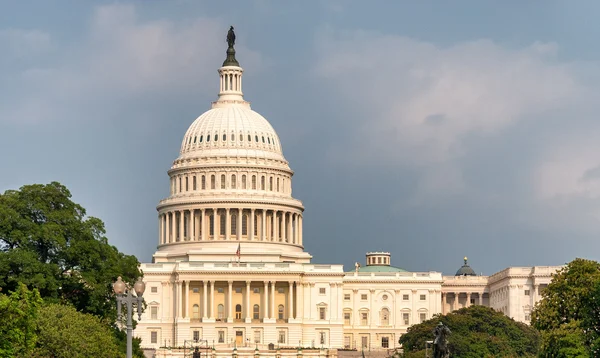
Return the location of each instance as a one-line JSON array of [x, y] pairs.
[[465, 270], [231, 131]]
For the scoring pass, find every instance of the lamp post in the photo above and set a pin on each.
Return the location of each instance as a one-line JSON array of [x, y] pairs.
[[125, 296]]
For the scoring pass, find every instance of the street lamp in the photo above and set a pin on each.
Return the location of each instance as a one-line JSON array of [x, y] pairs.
[[124, 296]]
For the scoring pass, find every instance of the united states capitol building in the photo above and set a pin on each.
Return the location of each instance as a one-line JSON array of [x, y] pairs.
[[230, 271]]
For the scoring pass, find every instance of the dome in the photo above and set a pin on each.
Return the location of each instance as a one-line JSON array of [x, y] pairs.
[[465, 270], [231, 131]]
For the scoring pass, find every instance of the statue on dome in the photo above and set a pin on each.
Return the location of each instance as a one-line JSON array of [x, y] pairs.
[[231, 37], [357, 266]]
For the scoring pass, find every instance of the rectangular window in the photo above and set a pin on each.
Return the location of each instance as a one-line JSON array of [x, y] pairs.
[[238, 290], [220, 289], [322, 290], [256, 290], [322, 337], [526, 292], [423, 317], [196, 336], [194, 186], [363, 297], [153, 312], [346, 297], [256, 336], [154, 289], [196, 289], [322, 313], [406, 318], [364, 340], [153, 337], [404, 297], [385, 342], [280, 290], [422, 297], [281, 338], [347, 317], [364, 319], [221, 336], [347, 342]]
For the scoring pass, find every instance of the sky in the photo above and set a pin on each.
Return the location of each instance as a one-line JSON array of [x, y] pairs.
[[433, 130]]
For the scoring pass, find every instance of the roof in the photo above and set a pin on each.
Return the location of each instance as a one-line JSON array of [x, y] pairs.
[[379, 268], [465, 270]]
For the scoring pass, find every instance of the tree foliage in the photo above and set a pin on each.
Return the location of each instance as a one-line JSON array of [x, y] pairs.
[[568, 315], [18, 312], [477, 332], [48, 243], [63, 332]]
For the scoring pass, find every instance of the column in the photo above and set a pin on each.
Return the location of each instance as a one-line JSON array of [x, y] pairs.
[[181, 218], [212, 300], [355, 319], [481, 298], [295, 236], [300, 238], [248, 308], [168, 231], [273, 314], [251, 225], [288, 235], [187, 299], [299, 300], [443, 303], [468, 299], [204, 301], [179, 299], [263, 225], [238, 226], [203, 226], [160, 232], [227, 224], [274, 226], [216, 222], [229, 301], [193, 224], [265, 303], [291, 300]]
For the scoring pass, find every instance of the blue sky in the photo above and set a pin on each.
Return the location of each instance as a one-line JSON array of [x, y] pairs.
[[432, 130]]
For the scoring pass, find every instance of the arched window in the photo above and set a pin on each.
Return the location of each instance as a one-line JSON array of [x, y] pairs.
[[263, 139], [244, 224], [196, 311], [385, 317], [232, 137], [208, 138], [234, 224], [224, 137], [249, 138], [277, 184], [194, 185], [186, 183], [201, 138], [216, 137], [194, 139], [254, 182], [256, 312], [180, 184], [233, 181], [283, 185], [271, 183], [262, 183], [212, 182], [238, 311], [268, 140], [211, 221], [222, 225], [203, 183], [244, 181], [256, 138], [241, 137], [220, 309], [222, 181], [280, 311]]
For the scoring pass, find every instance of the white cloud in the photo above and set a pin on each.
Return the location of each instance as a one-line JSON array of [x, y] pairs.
[[19, 43], [419, 101], [123, 56]]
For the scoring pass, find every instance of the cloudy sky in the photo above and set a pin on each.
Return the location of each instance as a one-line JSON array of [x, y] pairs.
[[432, 130]]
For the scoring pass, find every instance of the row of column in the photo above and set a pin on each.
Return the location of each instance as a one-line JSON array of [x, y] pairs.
[[203, 224], [455, 304], [268, 309]]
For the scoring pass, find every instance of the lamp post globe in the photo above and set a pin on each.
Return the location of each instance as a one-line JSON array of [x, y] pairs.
[[139, 287], [119, 286]]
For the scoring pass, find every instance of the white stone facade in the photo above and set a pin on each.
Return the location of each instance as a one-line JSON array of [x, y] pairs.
[[230, 269]]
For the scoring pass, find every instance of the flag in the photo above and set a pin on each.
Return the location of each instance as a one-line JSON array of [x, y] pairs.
[[237, 253]]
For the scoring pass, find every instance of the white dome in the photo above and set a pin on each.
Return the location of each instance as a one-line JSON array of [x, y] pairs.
[[232, 130]]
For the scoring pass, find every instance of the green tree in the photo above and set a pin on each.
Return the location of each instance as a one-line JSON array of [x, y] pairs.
[[63, 332], [568, 313], [477, 332], [18, 312], [48, 243]]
